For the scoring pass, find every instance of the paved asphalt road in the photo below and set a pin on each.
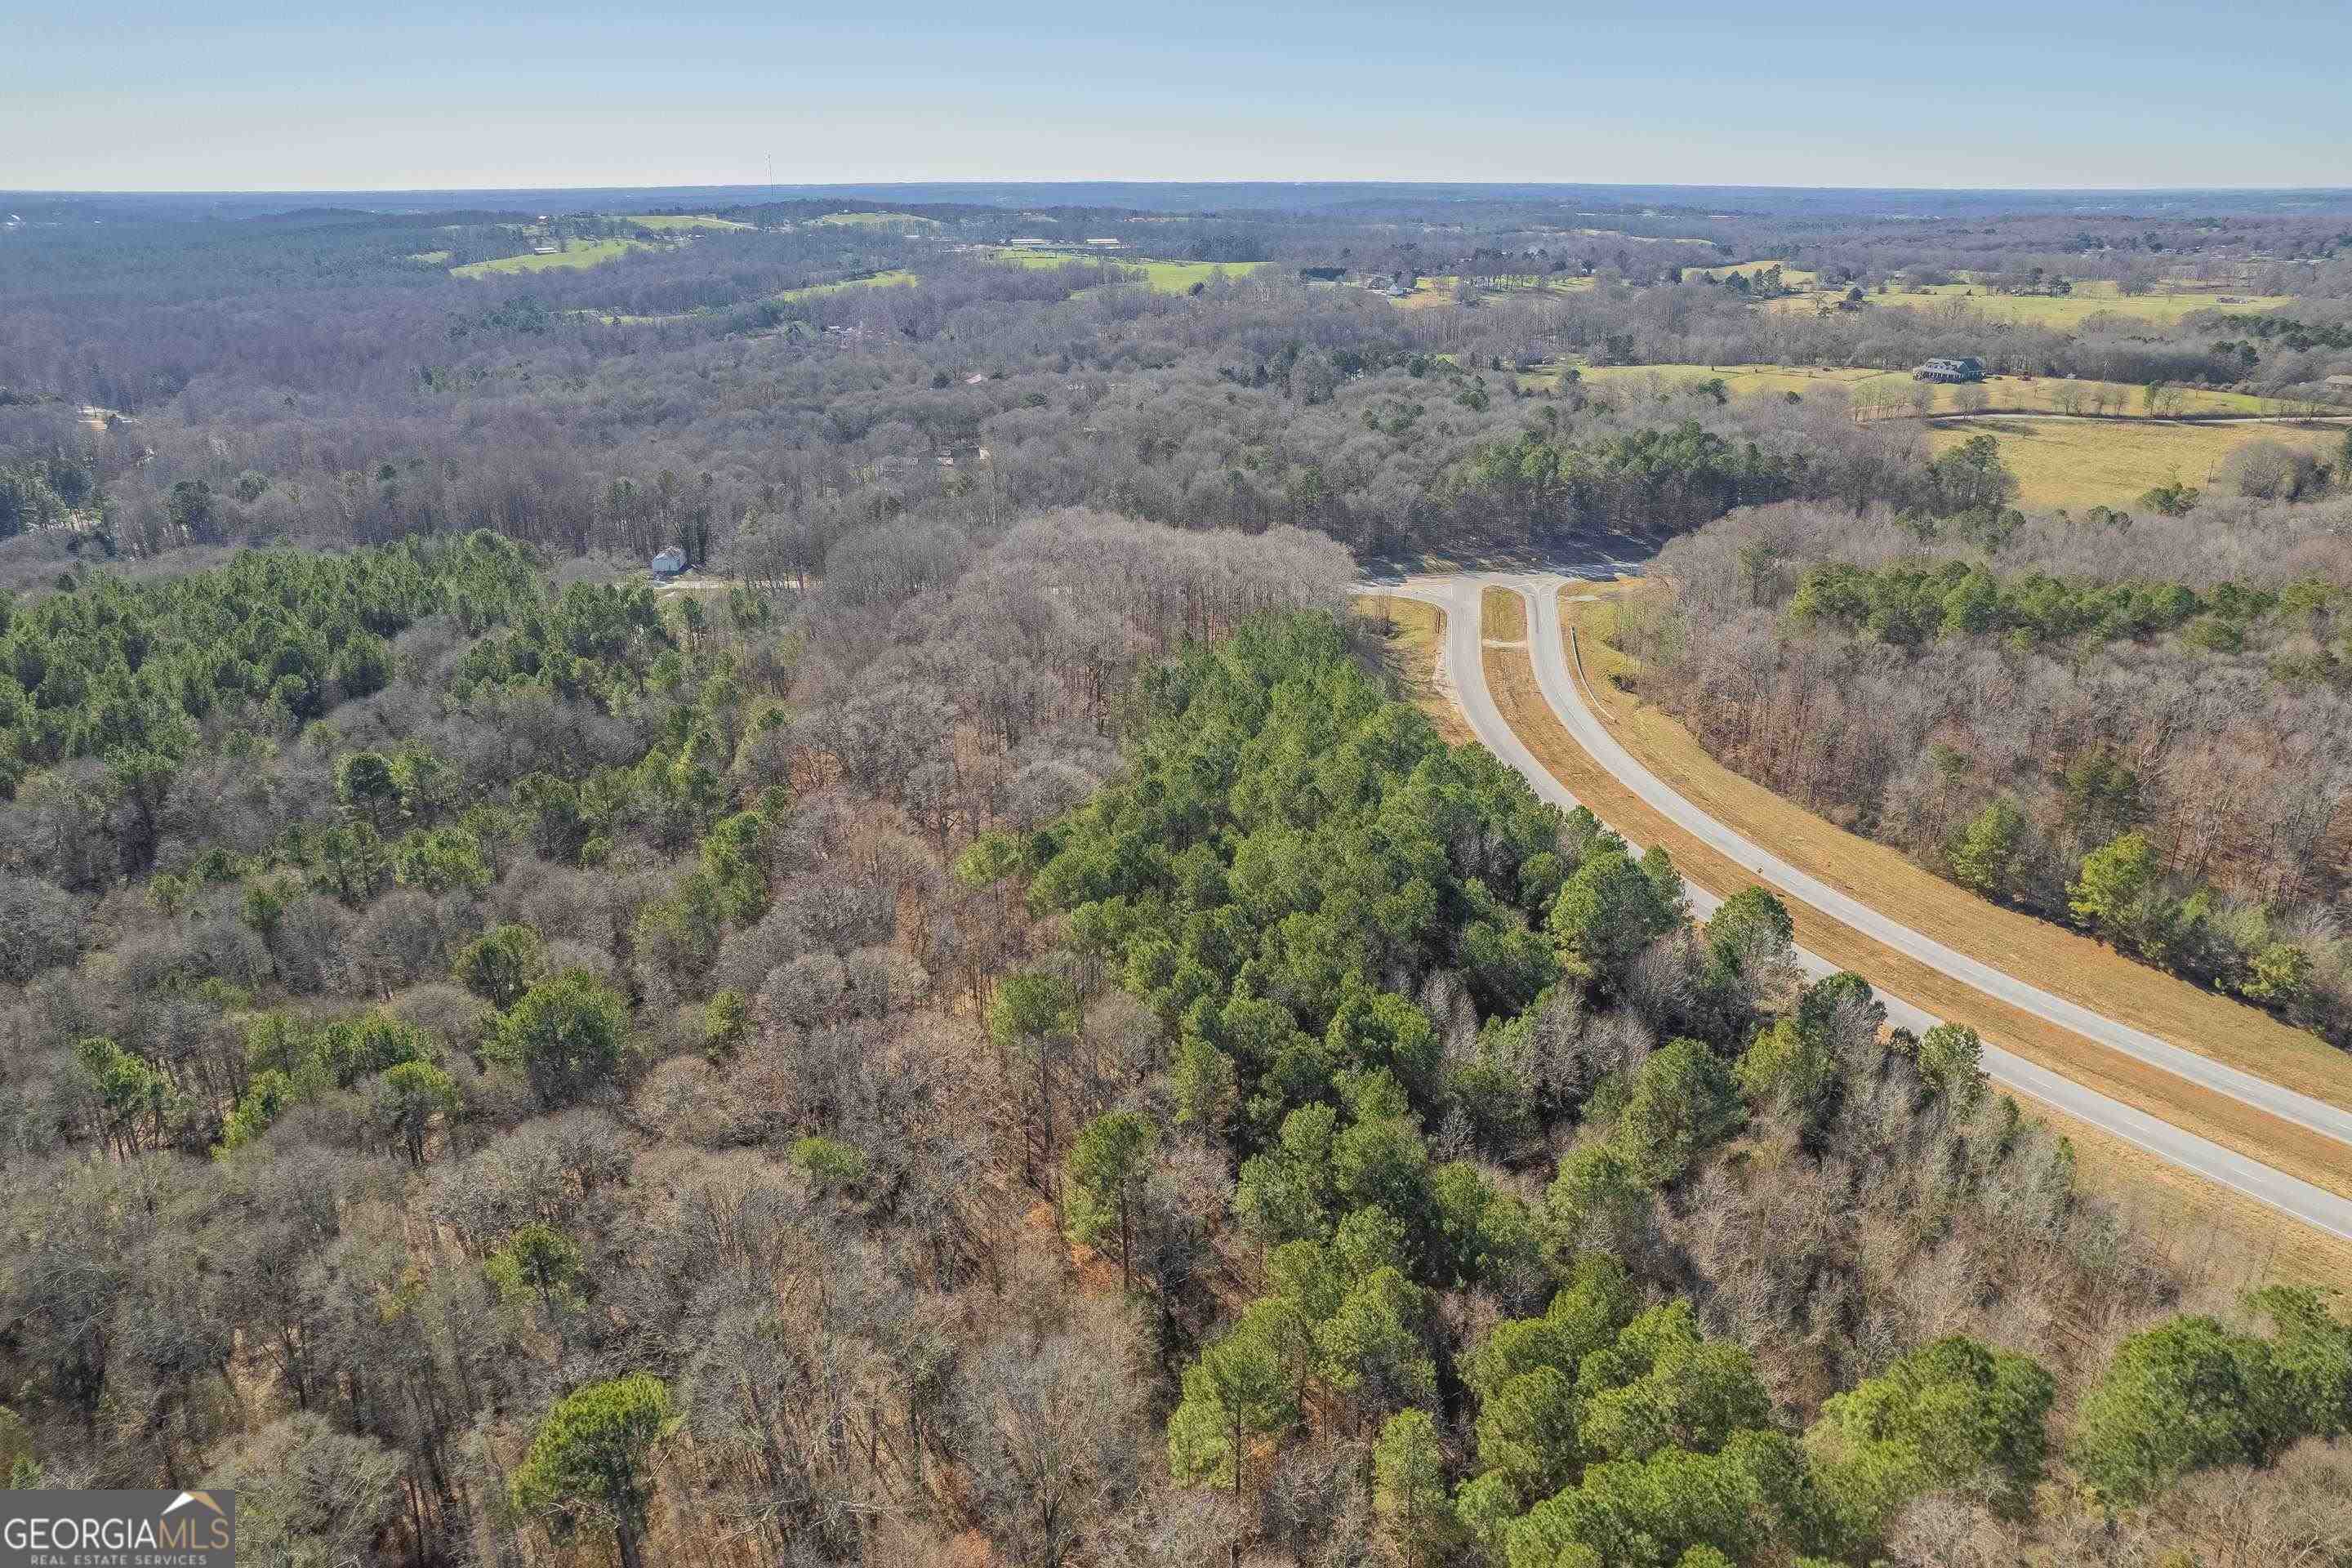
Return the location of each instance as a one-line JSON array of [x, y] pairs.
[[1464, 666]]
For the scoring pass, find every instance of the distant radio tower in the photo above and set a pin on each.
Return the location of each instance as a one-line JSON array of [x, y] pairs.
[[771, 173]]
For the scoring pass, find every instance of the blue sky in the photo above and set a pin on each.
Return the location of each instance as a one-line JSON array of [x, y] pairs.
[[238, 95]]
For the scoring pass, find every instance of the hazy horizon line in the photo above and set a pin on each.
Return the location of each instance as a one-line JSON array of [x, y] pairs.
[[1135, 180]]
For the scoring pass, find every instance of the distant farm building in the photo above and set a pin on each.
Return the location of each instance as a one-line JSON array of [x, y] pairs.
[[1969, 369], [670, 562]]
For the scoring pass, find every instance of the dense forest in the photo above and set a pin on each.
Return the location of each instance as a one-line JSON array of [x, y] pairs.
[[976, 1026], [599, 1069]]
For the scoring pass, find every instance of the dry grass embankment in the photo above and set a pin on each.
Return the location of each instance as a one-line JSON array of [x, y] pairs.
[[1502, 615], [2189, 1211], [1413, 637]]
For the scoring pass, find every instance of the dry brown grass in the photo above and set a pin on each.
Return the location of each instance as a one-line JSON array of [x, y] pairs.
[[1414, 638], [2186, 1208], [2112, 462], [1503, 614]]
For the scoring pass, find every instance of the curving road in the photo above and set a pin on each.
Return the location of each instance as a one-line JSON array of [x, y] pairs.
[[1463, 667]]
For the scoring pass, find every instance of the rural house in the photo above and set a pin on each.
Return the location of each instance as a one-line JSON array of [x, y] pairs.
[[1969, 369]]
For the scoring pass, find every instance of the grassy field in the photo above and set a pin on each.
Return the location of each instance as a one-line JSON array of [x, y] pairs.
[[2067, 312], [1035, 261], [623, 318], [1534, 283], [1503, 615], [896, 277], [1644, 238], [2188, 1212], [1165, 277], [2050, 394], [1178, 276], [879, 220], [431, 257], [2045, 395], [667, 224], [2109, 462], [1793, 277], [1431, 293], [585, 254]]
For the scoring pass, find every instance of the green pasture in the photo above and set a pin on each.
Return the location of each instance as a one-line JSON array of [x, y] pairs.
[[665, 223], [894, 279], [2068, 312], [584, 253], [1867, 387], [1165, 277], [879, 220]]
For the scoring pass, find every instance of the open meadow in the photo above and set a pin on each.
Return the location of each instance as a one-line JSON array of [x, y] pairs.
[[1429, 293], [1793, 277], [2111, 462], [1432, 292], [1165, 277], [895, 277], [904, 221], [2060, 312], [669, 222], [1888, 391], [586, 253], [1535, 283]]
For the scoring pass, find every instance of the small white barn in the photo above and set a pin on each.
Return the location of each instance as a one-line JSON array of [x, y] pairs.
[[670, 562]]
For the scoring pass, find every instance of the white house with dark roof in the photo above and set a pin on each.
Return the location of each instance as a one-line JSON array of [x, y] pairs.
[[1966, 369]]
